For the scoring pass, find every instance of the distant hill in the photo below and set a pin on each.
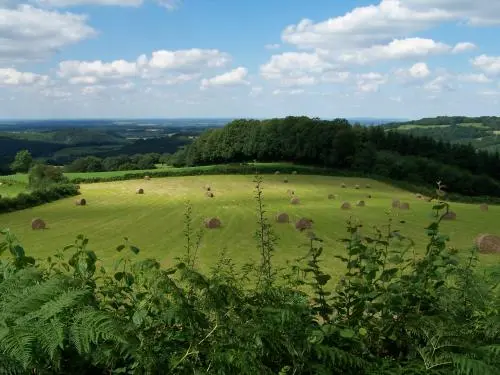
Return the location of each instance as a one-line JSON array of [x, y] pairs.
[[481, 132]]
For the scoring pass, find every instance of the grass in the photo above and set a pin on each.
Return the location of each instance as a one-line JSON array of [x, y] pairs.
[[154, 221], [474, 125], [10, 188], [411, 126]]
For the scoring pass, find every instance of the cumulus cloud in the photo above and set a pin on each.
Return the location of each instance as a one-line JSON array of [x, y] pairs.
[[439, 84], [288, 92], [463, 47], [363, 26], [31, 33], [13, 77], [370, 82], [419, 70], [488, 64], [474, 78], [234, 77], [335, 77], [163, 67]]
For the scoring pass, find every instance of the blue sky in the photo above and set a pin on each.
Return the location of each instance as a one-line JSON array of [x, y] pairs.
[[260, 58]]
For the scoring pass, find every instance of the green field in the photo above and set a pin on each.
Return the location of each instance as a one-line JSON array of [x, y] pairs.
[[154, 221], [412, 126], [11, 188]]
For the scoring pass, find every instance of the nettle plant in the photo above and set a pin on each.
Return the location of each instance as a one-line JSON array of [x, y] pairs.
[[392, 312]]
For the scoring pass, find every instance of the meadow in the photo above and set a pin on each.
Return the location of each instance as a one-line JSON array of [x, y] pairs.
[[154, 222]]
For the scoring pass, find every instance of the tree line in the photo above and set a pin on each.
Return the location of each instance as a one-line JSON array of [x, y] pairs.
[[339, 145]]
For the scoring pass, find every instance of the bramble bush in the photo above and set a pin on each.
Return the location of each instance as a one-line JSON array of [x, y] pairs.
[[392, 312]]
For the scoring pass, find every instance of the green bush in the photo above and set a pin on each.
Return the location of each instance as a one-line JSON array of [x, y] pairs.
[[37, 197], [391, 313]]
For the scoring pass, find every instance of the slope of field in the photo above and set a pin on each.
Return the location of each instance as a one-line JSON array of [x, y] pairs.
[[154, 221]]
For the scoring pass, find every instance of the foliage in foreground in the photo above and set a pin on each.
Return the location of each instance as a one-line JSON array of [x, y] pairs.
[[391, 313]]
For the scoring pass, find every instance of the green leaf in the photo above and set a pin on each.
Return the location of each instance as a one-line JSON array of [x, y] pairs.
[[362, 331], [322, 279], [119, 276], [347, 333], [134, 249], [17, 251]]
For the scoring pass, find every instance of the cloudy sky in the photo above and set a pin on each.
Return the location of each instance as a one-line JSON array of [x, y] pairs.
[[242, 58]]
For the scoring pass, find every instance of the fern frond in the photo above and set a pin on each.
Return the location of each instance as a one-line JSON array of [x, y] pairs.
[[470, 366], [91, 327], [17, 344]]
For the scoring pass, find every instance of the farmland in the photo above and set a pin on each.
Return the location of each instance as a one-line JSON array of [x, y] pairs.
[[154, 221]]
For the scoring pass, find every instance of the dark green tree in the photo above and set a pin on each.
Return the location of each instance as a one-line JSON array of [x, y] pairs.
[[22, 162], [41, 176]]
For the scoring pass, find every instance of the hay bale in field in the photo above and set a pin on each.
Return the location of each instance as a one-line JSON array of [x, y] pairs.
[[488, 244], [285, 180], [346, 206], [356, 187], [369, 196], [147, 178], [360, 204], [212, 223], [303, 224], [37, 224], [282, 218], [395, 203], [290, 192], [208, 188], [277, 172], [368, 186], [484, 207], [404, 206], [343, 186], [139, 191], [295, 200], [209, 194], [332, 196], [418, 196], [81, 202], [450, 215], [294, 172]]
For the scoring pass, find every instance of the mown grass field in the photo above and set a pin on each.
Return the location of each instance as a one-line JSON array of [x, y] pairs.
[[154, 221]]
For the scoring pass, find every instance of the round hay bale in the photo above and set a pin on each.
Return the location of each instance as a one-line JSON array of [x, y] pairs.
[[303, 224], [282, 218], [81, 202], [368, 186], [37, 224], [147, 177], [360, 204], [277, 172], [418, 196], [295, 200], [484, 207], [139, 191], [396, 203], [208, 188], [404, 206], [294, 172], [212, 223], [332, 196], [209, 194], [77, 186], [346, 206], [488, 244], [285, 180], [290, 192], [369, 196], [343, 186], [450, 215], [356, 187]]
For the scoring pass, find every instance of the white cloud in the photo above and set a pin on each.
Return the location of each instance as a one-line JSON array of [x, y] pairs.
[[91, 90], [363, 26], [13, 77], [30, 33], [464, 47], [295, 63], [335, 77], [370, 82], [272, 46], [476, 12], [488, 64], [288, 92], [234, 77], [395, 50], [439, 84], [255, 91], [188, 59], [160, 68], [419, 70], [474, 78]]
